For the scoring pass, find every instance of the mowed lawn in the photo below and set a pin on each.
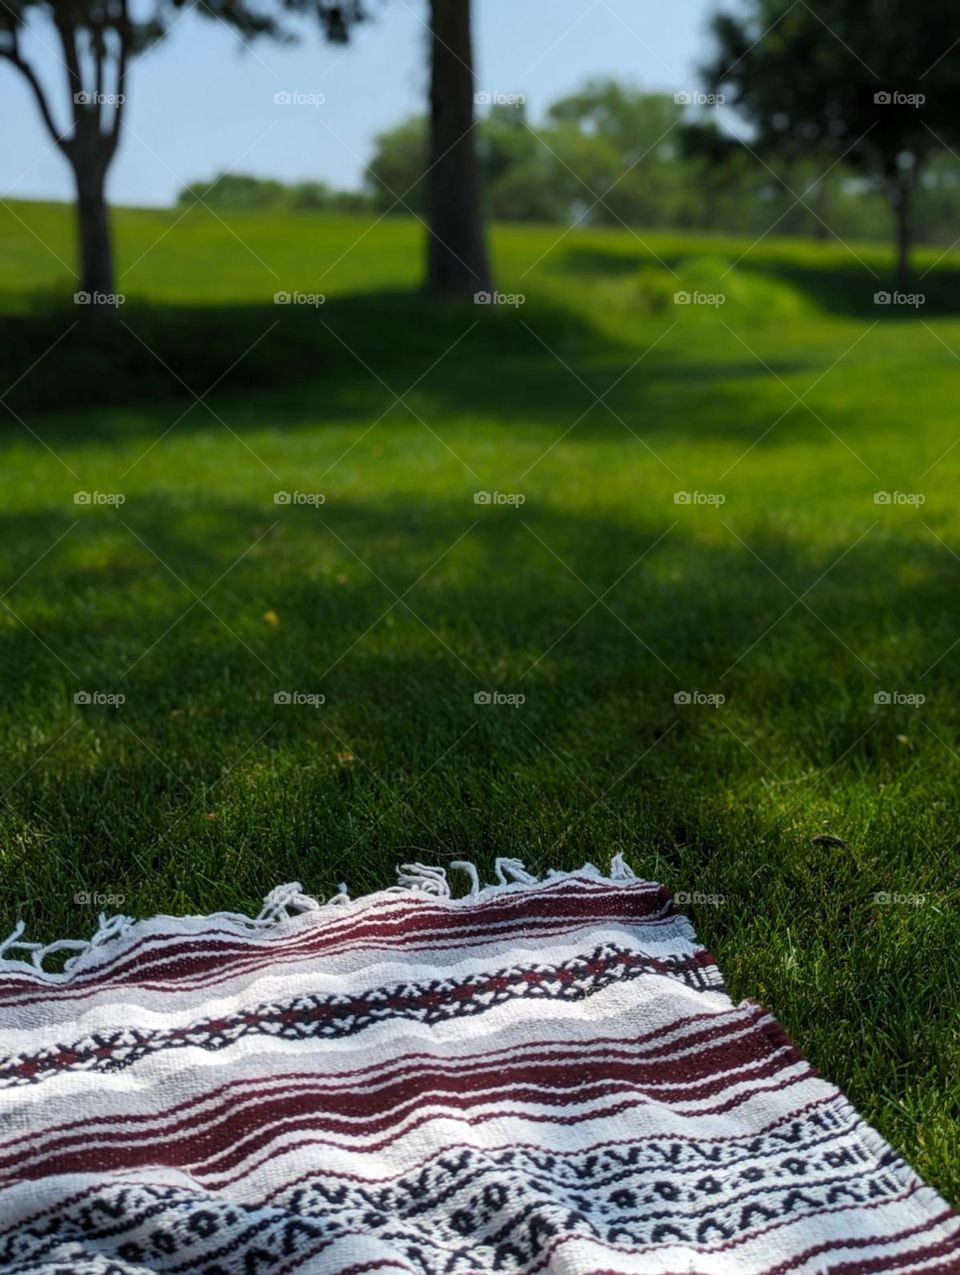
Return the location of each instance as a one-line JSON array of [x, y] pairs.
[[781, 586]]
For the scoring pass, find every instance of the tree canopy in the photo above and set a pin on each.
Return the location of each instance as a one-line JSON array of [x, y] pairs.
[[876, 84]]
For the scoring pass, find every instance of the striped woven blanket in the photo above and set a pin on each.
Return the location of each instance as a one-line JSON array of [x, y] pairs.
[[539, 1076]]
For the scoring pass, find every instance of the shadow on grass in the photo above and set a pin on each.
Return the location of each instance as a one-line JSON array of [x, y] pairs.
[[846, 288], [145, 351], [510, 608], [349, 359]]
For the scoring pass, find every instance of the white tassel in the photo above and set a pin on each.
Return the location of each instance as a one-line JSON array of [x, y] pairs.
[[620, 870], [11, 940], [80, 947], [420, 876], [472, 873], [109, 928], [284, 900], [289, 900], [508, 870]]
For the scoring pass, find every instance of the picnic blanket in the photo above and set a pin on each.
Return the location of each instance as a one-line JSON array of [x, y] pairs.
[[543, 1075]]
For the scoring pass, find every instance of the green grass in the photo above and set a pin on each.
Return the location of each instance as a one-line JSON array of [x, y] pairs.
[[201, 793]]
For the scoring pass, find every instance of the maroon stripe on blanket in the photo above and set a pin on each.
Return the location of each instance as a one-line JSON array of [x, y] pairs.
[[218, 951], [414, 1069], [349, 1116]]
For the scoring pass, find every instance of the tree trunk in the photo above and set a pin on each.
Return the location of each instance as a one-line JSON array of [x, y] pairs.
[[93, 228], [456, 253]]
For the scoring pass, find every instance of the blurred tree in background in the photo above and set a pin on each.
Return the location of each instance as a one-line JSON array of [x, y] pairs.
[[873, 82], [96, 41], [611, 154], [242, 191]]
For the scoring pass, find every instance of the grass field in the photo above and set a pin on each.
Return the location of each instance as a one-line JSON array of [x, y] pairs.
[[598, 599]]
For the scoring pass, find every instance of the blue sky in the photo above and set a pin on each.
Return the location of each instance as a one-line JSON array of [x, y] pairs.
[[200, 102]]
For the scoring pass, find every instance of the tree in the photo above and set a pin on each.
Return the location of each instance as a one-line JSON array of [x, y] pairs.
[[431, 169], [97, 40], [456, 252], [522, 180], [236, 191], [396, 172], [232, 192], [877, 82], [618, 148], [519, 177], [101, 34]]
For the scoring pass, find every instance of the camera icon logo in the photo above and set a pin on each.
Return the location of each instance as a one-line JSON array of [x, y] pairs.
[[81, 498], [881, 697], [882, 498], [681, 298], [882, 98], [482, 697], [81, 697], [681, 498], [681, 697], [683, 99], [481, 498], [482, 298], [481, 99], [282, 99], [882, 298], [281, 498], [282, 697], [281, 298]]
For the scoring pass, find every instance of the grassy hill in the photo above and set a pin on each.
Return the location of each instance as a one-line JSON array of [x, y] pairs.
[[781, 585]]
